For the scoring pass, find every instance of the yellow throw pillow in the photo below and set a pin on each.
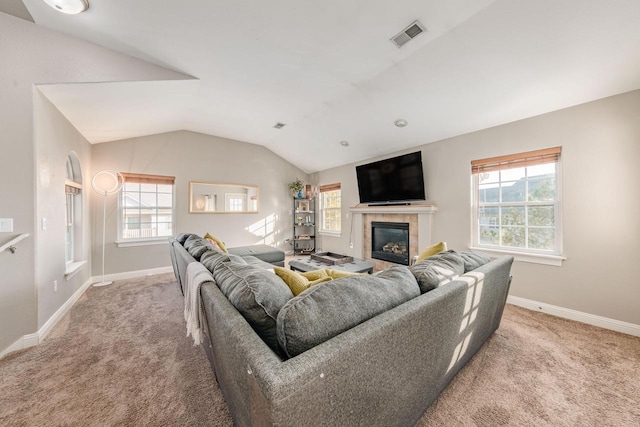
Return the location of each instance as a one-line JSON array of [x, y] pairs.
[[432, 250], [217, 241], [314, 275], [336, 274], [300, 282]]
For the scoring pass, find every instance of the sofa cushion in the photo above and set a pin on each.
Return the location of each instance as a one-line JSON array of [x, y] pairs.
[[216, 241], [300, 282], [339, 274], [264, 252], [432, 250], [437, 270], [182, 237], [198, 246], [256, 293], [325, 311], [473, 259], [256, 262], [214, 257]]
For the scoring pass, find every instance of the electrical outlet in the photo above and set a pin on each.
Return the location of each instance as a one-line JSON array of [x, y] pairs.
[[351, 245], [55, 286], [44, 223]]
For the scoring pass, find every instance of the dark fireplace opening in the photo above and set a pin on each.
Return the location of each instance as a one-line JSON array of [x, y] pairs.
[[390, 242]]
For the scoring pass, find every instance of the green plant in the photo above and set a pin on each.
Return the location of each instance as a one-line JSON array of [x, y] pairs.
[[296, 185]]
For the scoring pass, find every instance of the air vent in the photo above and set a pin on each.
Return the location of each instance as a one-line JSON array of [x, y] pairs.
[[408, 33], [279, 125]]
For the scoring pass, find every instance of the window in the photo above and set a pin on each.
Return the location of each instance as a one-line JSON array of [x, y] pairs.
[[517, 202], [234, 202], [146, 207], [330, 208], [73, 215]]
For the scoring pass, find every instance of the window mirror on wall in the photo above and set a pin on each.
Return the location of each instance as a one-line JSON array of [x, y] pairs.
[[212, 197]]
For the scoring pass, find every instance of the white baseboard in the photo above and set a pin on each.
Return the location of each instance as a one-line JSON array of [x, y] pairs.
[[132, 274], [59, 314], [34, 339], [24, 341], [31, 340], [578, 316]]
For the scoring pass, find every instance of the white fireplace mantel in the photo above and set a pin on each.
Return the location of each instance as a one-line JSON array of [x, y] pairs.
[[398, 209], [424, 211]]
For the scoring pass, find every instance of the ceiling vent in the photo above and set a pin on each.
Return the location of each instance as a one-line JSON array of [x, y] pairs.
[[408, 33], [279, 125]]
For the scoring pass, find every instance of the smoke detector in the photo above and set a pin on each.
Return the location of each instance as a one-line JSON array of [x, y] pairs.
[[409, 33]]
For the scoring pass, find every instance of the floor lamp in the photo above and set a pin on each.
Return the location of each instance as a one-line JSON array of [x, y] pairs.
[[105, 182]]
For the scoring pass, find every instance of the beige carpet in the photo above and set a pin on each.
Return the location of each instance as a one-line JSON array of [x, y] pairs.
[[121, 357]]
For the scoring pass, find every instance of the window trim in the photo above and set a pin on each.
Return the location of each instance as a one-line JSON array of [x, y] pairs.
[[532, 158], [139, 178], [326, 189], [73, 241]]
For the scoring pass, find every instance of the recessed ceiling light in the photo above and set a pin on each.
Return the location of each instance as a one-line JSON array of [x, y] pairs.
[[70, 7], [401, 123], [344, 143], [279, 125]]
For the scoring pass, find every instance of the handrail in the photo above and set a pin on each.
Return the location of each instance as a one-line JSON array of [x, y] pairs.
[[10, 245]]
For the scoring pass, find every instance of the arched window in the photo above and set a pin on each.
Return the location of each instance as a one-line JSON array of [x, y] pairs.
[[73, 205]]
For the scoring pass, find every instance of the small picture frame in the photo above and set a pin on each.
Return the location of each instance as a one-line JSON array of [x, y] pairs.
[[303, 206]]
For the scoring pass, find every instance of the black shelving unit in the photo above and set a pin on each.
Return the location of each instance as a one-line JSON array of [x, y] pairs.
[[304, 226]]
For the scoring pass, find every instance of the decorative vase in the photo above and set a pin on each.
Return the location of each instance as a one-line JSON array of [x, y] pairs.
[[300, 194]]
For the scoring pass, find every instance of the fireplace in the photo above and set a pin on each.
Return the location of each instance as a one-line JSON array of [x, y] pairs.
[[390, 241]]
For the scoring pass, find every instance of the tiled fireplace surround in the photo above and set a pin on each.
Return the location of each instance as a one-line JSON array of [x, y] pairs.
[[419, 217]]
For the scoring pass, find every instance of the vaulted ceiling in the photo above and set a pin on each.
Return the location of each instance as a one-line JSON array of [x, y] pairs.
[[328, 71]]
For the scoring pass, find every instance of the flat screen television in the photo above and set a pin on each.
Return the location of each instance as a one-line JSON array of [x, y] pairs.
[[392, 181]]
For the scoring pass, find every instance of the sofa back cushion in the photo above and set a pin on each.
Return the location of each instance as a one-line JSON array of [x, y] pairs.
[[182, 237], [473, 259], [330, 308], [438, 270], [197, 246], [256, 293], [214, 257]]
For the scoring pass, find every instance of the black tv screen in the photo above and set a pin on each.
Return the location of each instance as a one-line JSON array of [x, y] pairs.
[[398, 179]]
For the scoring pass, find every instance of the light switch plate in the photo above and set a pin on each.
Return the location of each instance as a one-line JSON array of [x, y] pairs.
[[6, 225]]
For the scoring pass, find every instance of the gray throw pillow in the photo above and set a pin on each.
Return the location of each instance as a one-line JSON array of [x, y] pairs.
[[438, 270], [257, 294], [330, 308], [474, 259]]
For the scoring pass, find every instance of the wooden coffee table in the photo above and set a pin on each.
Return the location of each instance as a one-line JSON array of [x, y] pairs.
[[308, 264]]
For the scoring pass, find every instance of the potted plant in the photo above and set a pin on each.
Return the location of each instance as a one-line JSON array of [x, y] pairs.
[[296, 187]]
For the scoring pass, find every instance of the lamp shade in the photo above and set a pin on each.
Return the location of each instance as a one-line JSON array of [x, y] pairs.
[[107, 182], [70, 7]]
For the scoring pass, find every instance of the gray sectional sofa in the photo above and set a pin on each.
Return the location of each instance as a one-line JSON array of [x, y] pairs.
[[373, 350]]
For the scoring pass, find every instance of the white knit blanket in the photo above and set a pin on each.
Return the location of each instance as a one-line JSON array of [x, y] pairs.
[[197, 274]]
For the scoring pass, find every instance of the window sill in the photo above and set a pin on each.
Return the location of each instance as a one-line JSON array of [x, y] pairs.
[[72, 268], [554, 260], [330, 233], [142, 242]]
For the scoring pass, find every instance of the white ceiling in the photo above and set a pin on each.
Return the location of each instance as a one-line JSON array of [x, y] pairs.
[[328, 70]]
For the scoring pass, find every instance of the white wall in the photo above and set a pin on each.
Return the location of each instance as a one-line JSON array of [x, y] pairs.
[[193, 156], [55, 138], [601, 208], [34, 55]]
